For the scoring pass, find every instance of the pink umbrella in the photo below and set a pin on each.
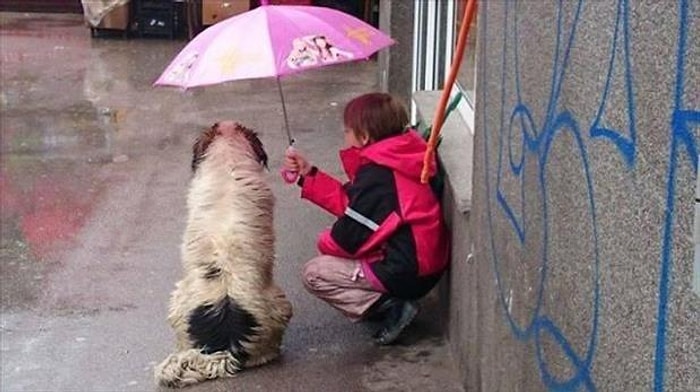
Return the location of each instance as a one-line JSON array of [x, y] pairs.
[[271, 41]]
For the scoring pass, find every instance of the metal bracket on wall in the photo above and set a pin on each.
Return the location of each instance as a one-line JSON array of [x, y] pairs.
[[696, 266]]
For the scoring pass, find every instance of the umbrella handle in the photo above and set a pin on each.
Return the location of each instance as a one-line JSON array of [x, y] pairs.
[[289, 176]]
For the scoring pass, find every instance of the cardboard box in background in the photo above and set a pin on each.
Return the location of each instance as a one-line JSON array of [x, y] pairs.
[[216, 10], [117, 19]]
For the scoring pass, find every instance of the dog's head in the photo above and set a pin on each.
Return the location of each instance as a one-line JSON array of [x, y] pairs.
[[235, 133]]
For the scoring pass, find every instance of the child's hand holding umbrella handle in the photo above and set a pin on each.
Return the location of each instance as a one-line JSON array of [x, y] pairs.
[[295, 164]]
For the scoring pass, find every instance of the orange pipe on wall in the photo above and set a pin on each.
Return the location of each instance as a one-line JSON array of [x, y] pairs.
[[439, 116]]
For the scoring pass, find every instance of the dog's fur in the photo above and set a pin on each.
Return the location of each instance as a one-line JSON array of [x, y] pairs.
[[227, 312]]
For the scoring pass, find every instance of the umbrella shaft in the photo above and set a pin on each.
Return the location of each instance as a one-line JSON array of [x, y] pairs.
[[290, 139]]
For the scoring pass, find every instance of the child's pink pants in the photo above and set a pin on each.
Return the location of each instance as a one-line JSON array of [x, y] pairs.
[[341, 284]]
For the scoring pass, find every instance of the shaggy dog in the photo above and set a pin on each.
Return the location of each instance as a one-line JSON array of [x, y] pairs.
[[226, 311]]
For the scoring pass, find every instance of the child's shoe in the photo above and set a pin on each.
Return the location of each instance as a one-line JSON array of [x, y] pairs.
[[398, 318]]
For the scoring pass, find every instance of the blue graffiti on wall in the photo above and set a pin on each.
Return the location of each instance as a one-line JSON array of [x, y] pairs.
[[535, 150], [681, 137]]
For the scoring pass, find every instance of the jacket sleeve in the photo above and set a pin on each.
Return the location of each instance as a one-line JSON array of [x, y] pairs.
[[369, 218], [324, 191]]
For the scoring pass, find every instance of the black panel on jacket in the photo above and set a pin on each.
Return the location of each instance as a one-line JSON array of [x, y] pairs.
[[373, 195], [399, 269]]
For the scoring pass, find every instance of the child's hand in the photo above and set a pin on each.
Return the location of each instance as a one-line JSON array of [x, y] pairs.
[[294, 161]]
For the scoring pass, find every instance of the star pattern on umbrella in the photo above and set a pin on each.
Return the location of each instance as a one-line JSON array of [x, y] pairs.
[[228, 62], [233, 58], [361, 34]]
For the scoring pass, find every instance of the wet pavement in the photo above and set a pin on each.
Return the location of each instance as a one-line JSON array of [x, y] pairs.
[[95, 166]]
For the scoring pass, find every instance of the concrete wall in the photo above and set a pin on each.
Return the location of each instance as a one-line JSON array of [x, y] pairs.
[[396, 19], [585, 162]]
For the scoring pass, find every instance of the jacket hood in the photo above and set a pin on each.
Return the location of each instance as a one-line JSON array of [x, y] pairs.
[[402, 153]]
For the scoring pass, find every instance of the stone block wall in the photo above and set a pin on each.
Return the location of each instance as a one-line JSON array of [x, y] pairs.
[[582, 206]]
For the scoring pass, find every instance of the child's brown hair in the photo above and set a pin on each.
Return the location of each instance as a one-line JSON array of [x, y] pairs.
[[379, 115]]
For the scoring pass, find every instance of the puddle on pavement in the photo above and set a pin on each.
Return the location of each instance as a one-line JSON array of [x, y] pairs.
[[49, 183], [59, 129], [78, 130], [44, 204]]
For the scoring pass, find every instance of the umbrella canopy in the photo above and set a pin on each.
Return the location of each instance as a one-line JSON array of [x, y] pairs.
[[271, 41]]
